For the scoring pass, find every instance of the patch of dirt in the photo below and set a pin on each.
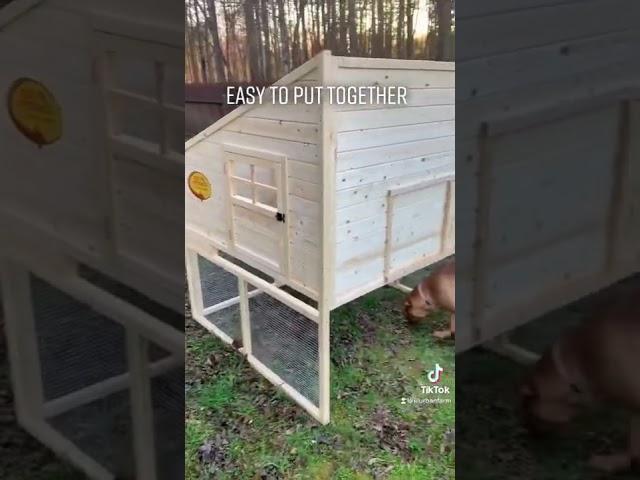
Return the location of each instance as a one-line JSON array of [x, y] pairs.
[[392, 433], [213, 455]]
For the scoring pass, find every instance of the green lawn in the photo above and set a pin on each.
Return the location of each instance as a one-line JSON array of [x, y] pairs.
[[239, 427]]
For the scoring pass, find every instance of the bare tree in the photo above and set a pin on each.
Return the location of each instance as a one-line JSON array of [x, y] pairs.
[[380, 32], [400, 44], [353, 29], [211, 19], [444, 12], [252, 46], [284, 33], [409, 42]]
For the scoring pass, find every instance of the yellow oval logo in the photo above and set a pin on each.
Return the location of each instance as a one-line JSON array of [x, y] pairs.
[[200, 186], [35, 111]]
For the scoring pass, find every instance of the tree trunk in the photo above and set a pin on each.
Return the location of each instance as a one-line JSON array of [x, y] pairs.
[[353, 29], [219, 61], [201, 49], [252, 45], [400, 31], [380, 42], [296, 56], [444, 30], [193, 75], [410, 6], [267, 41], [372, 36], [343, 28], [284, 32], [305, 39], [388, 42]]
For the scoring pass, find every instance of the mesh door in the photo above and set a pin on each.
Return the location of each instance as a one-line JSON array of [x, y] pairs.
[[218, 287], [78, 348], [286, 342], [220, 295]]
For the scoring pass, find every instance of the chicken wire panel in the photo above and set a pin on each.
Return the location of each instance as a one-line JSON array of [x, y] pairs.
[[167, 396], [78, 347], [102, 430], [286, 342], [219, 286]]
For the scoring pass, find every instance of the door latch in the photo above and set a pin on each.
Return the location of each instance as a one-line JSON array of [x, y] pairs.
[[280, 217]]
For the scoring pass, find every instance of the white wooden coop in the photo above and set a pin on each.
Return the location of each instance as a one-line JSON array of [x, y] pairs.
[[294, 210], [91, 135], [549, 209]]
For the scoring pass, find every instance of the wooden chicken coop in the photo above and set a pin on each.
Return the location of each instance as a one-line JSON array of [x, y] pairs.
[[294, 210]]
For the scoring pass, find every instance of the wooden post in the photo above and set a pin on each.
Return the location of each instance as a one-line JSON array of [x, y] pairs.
[[620, 169], [483, 203], [327, 297], [245, 316], [141, 406]]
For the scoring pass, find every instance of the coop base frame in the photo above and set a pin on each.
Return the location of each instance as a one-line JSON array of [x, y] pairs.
[[33, 411], [199, 247]]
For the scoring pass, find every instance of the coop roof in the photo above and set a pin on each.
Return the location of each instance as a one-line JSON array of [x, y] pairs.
[[288, 79]]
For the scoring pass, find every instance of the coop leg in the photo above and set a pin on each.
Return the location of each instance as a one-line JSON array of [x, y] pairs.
[[503, 346], [400, 286], [194, 283], [24, 357], [141, 406]]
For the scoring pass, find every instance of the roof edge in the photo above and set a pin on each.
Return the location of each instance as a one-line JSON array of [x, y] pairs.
[[15, 9], [289, 78]]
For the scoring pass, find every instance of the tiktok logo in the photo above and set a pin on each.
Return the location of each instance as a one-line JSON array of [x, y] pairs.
[[435, 375]]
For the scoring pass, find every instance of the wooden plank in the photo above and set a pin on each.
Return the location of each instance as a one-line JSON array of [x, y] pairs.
[[393, 64], [396, 77], [390, 117], [416, 97], [303, 171], [300, 152], [515, 70], [422, 166], [278, 129], [562, 22], [391, 135], [389, 153], [377, 190]]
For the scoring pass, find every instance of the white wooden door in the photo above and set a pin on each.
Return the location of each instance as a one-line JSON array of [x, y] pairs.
[[257, 203], [140, 94]]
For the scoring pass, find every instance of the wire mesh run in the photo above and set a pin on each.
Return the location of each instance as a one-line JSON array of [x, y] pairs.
[[78, 347], [219, 286], [220, 294], [103, 430], [167, 394], [286, 342]]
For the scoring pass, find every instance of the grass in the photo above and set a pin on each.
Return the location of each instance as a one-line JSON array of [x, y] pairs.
[[239, 427]]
